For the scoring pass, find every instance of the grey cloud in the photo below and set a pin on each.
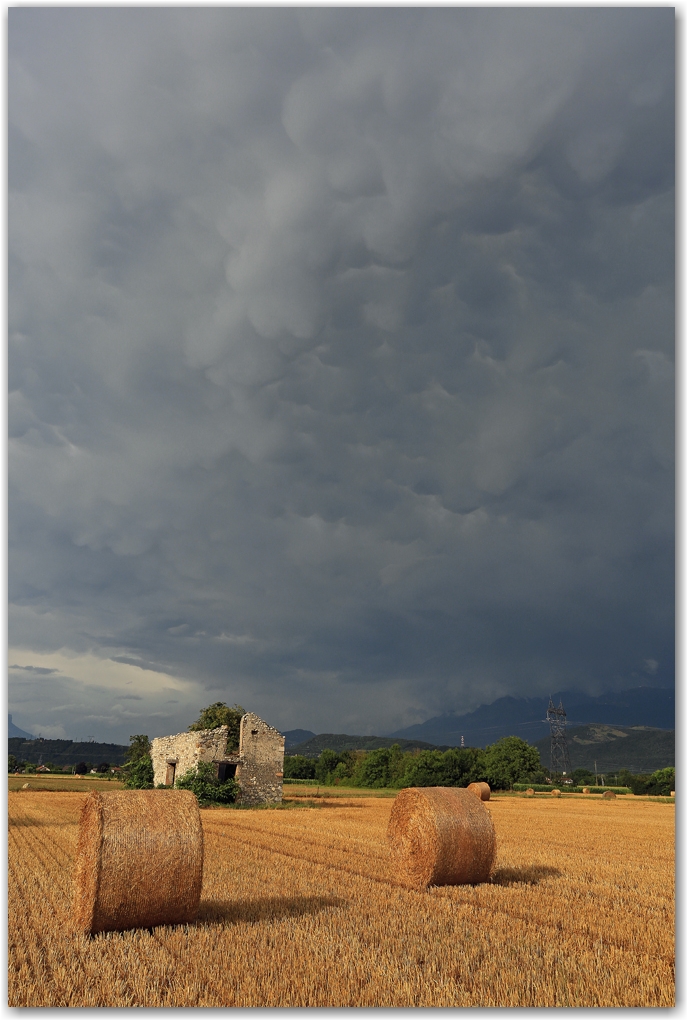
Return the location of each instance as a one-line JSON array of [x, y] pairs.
[[38, 670], [341, 350]]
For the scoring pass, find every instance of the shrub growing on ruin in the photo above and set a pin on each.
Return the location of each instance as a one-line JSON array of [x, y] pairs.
[[219, 714], [204, 782]]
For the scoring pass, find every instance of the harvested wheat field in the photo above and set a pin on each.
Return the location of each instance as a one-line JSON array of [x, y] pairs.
[[302, 908]]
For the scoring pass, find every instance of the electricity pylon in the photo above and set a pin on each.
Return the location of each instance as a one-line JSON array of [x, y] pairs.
[[557, 719]]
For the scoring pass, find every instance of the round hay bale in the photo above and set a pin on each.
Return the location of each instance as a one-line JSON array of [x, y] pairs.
[[555, 793], [481, 790], [139, 860], [441, 835], [529, 793], [585, 789], [608, 795]]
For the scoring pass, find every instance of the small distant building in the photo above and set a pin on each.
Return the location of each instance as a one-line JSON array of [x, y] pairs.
[[257, 766]]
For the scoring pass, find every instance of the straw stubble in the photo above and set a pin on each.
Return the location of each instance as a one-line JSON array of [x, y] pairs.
[[441, 836], [139, 860]]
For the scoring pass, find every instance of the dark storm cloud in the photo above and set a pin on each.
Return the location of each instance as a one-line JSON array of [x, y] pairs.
[[341, 351]]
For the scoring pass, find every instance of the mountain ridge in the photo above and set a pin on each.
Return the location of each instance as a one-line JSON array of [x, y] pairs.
[[525, 717], [602, 748], [14, 731]]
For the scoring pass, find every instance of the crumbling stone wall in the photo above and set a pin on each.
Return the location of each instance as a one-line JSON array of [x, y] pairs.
[[261, 769], [259, 762], [184, 751]]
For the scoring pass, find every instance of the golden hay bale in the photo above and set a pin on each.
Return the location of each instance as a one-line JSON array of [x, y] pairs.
[[441, 835], [529, 793], [608, 795], [585, 789], [555, 793], [139, 860], [481, 790]]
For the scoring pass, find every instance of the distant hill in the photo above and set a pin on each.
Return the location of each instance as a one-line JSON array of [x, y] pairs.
[[294, 737], [524, 717], [346, 742], [66, 752], [14, 731], [640, 749]]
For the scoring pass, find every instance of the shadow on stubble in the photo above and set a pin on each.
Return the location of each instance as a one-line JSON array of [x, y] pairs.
[[267, 908], [531, 875]]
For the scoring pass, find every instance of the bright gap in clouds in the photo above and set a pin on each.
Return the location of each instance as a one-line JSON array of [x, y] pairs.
[[58, 694]]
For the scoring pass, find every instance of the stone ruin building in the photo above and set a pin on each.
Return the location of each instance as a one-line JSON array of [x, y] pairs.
[[257, 766]]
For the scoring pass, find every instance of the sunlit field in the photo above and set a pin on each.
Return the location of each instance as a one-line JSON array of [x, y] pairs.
[[302, 907], [55, 781]]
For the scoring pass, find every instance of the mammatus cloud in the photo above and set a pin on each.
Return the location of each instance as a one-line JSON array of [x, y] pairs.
[[341, 354]]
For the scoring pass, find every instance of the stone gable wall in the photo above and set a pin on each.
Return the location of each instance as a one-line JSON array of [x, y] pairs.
[[260, 773]]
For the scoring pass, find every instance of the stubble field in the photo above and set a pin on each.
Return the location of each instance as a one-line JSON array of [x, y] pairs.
[[302, 908]]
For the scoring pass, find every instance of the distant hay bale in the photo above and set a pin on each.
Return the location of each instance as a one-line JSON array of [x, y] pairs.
[[585, 789], [481, 790], [529, 793], [608, 795], [555, 793], [441, 835], [139, 860], [26, 786], [672, 793]]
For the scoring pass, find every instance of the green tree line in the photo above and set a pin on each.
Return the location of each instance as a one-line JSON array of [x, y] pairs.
[[510, 760]]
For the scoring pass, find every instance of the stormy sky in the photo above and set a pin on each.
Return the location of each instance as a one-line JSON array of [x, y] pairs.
[[341, 361]]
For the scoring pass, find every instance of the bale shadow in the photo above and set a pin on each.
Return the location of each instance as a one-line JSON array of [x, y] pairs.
[[38, 823], [267, 908], [328, 804], [335, 803], [531, 875]]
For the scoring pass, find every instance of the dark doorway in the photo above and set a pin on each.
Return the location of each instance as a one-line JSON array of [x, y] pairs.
[[169, 777], [225, 771]]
